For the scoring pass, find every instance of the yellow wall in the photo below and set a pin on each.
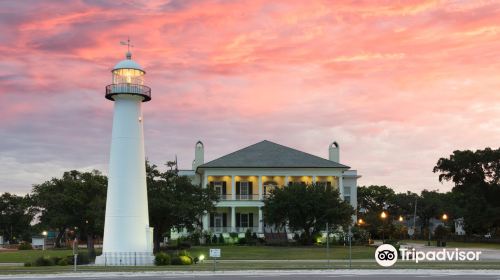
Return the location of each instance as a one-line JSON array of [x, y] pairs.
[[280, 180], [300, 179], [333, 179], [226, 179], [253, 179]]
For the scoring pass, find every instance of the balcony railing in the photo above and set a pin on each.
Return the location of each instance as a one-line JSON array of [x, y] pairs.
[[236, 229], [224, 197], [132, 89], [247, 197]]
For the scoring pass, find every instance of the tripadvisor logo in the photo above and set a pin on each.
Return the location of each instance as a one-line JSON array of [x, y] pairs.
[[386, 255]]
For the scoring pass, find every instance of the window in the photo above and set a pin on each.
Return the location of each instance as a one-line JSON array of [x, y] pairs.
[[219, 188], [218, 220], [347, 194], [244, 190], [244, 221]]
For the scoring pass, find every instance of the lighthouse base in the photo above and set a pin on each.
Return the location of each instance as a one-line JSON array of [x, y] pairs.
[[125, 259]]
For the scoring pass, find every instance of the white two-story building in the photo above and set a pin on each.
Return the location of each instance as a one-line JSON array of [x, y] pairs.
[[244, 178]]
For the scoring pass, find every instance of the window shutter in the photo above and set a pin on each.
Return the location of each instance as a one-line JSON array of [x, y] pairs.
[[250, 188], [328, 184], [289, 183], [238, 219], [237, 188], [224, 219], [212, 220], [224, 191], [250, 220], [211, 185]]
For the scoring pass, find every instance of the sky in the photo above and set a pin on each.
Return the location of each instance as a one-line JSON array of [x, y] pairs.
[[398, 84]]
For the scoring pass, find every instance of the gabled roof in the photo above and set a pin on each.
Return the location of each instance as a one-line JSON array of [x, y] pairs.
[[267, 154]]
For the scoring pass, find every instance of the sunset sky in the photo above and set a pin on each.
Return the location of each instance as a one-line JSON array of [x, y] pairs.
[[398, 84]]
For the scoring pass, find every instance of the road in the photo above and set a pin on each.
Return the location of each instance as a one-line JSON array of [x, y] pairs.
[[278, 275]]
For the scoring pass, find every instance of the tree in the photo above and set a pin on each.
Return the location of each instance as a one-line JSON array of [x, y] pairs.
[[15, 217], [77, 200], [174, 202], [307, 209], [373, 200], [476, 176]]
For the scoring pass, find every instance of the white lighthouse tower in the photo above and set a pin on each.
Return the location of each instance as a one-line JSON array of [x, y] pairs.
[[128, 239]]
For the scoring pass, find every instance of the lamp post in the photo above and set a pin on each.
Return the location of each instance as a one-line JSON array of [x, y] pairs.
[[383, 216], [44, 233], [444, 218]]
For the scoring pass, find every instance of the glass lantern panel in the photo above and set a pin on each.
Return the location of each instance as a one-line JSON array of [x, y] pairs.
[[128, 76]]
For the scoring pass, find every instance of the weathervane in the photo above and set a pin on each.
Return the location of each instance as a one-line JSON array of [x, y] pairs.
[[129, 45]]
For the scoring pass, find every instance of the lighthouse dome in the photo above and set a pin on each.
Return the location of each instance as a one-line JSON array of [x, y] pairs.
[[128, 63]]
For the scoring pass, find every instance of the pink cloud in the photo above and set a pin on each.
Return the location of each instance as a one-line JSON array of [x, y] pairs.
[[397, 84]]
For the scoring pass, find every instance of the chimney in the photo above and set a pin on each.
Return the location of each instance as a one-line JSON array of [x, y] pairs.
[[334, 152], [199, 155]]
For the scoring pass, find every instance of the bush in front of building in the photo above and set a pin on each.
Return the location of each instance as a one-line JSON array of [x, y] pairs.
[[221, 239], [44, 261], [162, 259], [25, 246], [182, 260]]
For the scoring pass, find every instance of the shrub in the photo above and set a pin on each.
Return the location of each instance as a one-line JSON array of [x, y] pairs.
[[221, 239], [162, 259], [242, 241], [25, 246], [83, 258], [44, 261], [183, 253], [186, 260], [214, 239], [27, 264], [63, 262], [196, 260], [182, 260]]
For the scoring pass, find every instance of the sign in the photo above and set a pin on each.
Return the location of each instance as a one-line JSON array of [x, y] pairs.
[[215, 253], [37, 241]]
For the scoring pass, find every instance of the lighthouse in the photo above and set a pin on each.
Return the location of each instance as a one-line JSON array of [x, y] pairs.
[[128, 239]]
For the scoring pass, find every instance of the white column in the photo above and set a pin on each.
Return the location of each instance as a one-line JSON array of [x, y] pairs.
[[205, 222], [261, 222], [204, 182], [287, 178], [233, 188], [233, 219], [260, 188], [341, 187], [314, 179]]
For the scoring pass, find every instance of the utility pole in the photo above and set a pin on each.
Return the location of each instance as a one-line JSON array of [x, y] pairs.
[[328, 245], [415, 218], [350, 247]]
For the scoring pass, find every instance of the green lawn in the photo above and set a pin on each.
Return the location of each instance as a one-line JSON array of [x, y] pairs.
[[456, 244], [286, 253], [30, 255]]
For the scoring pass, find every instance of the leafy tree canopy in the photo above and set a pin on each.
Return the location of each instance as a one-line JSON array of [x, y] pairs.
[[307, 208]]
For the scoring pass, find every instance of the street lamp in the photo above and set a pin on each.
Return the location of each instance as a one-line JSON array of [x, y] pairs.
[[360, 222], [44, 233], [383, 216], [401, 218], [445, 217]]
